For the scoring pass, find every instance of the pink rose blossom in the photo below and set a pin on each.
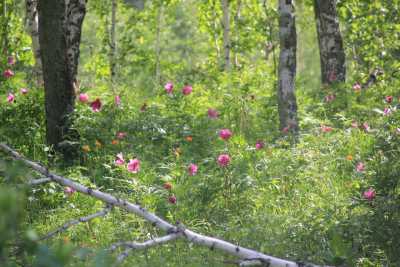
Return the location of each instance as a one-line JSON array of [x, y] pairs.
[[172, 199], [10, 60], [117, 100], [68, 191], [369, 194], [354, 124], [96, 105], [10, 98], [8, 73], [387, 111], [326, 129], [225, 134], [192, 169], [83, 97], [357, 87], [24, 91], [286, 129], [212, 113], [330, 98], [223, 160], [134, 165], [259, 145], [360, 167], [398, 130], [389, 99], [119, 159], [187, 90], [366, 127], [121, 135], [169, 86]]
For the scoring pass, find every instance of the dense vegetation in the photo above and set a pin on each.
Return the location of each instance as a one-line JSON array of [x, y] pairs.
[[156, 134]]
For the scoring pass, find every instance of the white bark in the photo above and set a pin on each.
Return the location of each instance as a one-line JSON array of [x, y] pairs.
[[33, 29], [213, 243], [227, 29], [158, 45]]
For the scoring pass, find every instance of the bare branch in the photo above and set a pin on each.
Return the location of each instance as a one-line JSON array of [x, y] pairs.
[[145, 245], [76, 221], [190, 236], [39, 181]]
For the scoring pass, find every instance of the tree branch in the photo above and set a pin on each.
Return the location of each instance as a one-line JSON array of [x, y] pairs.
[[39, 181], [76, 221], [190, 236], [147, 244]]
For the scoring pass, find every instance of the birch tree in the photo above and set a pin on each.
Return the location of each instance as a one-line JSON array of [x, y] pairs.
[[60, 25], [227, 43], [331, 50], [33, 30], [287, 105]]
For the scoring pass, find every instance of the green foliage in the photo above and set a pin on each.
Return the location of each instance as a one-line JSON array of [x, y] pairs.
[[301, 200]]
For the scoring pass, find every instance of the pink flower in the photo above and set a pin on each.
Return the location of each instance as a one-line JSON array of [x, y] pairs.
[[83, 97], [330, 98], [366, 127], [212, 113], [119, 159], [172, 199], [8, 73], [96, 105], [357, 87], [225, 134], [10, 98], [332, 76], [286, 129], [192, 169], [369, 194], [259, 145], [11, 60], [387, 111], [69, 191], [360, 167], [117, 100], [398, 130], [134, 165], [326, 129], [389, 99], [223, 160], [121, 135], [24, 91], [169, 87], [187, 90], [354, 124]]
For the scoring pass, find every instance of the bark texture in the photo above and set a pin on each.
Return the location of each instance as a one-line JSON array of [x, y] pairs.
[[227, 30], [60, 23], [287, 105], [332, 56], [33, 30]]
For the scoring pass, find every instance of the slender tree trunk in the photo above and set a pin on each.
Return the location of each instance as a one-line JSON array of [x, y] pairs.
[[227, 29], [215, 29], [60, 25], [332, 56], [4, 31], [287, 105], [33, 29], [158, 45], [237, 32], [113, 44]]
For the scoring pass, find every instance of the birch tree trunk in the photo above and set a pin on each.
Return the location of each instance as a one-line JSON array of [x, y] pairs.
[[287, 105], [227, 29], [60, 24], [237, 32], [332, 56], [113, 44], [158, 44], [33, 29]]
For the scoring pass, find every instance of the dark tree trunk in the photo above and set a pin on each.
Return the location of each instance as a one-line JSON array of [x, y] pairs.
[[60, 23], [287, 105], [332, 56]]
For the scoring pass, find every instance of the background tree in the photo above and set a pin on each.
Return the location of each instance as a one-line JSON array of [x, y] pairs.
[[287, 105], [59, 35], [33, 30], [226, 22], [331, 51]]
